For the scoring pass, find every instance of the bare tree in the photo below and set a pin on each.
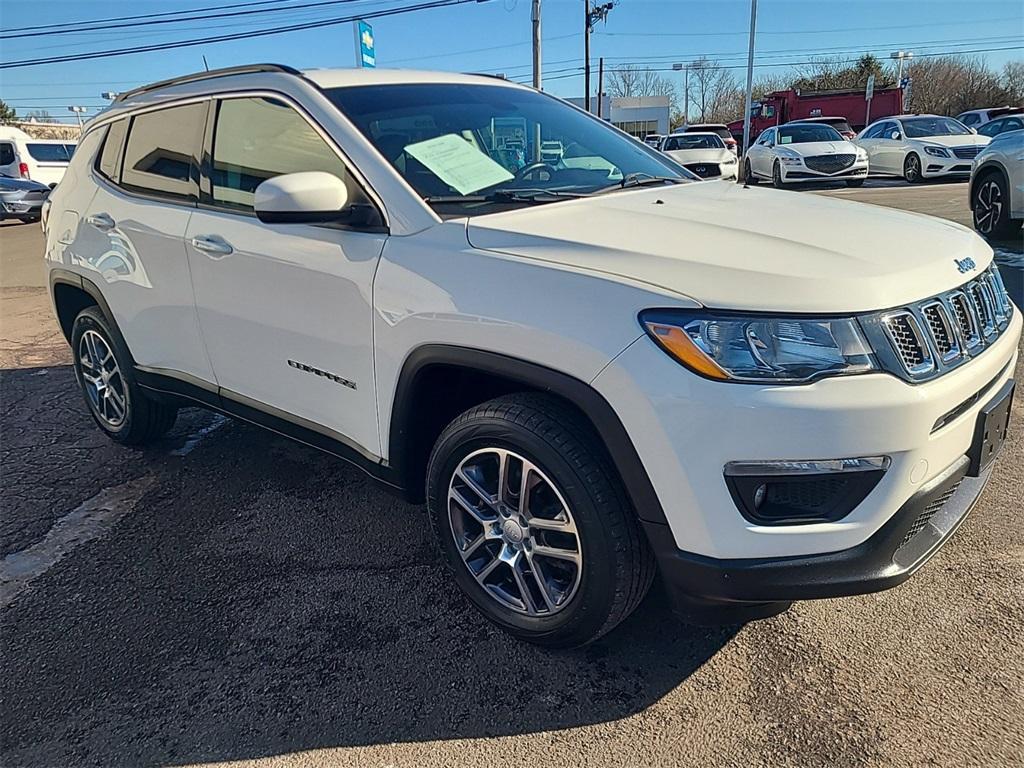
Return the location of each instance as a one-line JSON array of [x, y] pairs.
[[631, 81], [948, 85], [712, 91], [1013, 82]]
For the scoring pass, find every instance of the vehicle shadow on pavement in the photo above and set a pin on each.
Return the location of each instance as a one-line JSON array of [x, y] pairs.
[[261, 598]]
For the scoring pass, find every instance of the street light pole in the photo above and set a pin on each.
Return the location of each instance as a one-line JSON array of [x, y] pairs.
[[750, 77], [78, 113]]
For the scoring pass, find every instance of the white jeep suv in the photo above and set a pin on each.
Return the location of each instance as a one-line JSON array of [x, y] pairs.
[[589, 368]]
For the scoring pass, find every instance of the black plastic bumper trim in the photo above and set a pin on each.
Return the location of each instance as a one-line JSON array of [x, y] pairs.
[[881, 562]]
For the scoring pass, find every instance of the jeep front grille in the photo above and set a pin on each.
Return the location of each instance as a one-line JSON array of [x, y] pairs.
[[927, 338]]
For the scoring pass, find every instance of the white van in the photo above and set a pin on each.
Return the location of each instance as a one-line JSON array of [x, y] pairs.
[[43, 160]]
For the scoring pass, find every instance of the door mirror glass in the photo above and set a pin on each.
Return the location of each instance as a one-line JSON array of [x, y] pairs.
[[895, 135], [308, 197]]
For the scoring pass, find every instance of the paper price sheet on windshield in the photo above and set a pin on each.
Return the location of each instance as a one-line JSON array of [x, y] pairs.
[[458, 163]]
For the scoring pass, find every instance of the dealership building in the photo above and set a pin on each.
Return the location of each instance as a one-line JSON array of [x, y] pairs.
[[638, 116]]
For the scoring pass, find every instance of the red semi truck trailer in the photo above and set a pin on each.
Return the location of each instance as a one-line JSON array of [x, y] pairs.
[[782, 106]]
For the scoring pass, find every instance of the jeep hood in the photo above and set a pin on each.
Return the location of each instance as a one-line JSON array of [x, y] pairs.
[[732, 247]]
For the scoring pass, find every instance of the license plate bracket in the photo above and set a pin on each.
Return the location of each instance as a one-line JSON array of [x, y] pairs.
[[990, 430]]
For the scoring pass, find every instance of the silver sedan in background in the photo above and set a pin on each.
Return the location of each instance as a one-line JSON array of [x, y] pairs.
[[21, 198]]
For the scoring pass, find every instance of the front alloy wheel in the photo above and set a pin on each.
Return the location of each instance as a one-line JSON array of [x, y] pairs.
[[777, 181], [515, 532], [991, 216], [912, 169], [533, 521]]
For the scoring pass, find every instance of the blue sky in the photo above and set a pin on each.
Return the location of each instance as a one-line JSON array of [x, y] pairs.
[[495, 37]]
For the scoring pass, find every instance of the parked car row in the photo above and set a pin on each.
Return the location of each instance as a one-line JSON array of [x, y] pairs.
[[21, 199]]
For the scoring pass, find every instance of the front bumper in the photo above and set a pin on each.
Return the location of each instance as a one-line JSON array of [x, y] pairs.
[[893, 554], [794, 173], [933, 167]]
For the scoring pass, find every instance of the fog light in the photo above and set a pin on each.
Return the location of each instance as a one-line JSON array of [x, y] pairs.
[[802, 492]]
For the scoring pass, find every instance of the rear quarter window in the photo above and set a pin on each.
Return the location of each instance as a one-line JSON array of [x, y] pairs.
[[108, 164], [161, 156], [48, 153], [6, 154]]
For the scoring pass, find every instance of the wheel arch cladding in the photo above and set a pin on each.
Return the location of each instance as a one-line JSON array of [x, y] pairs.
[[71, 294], [437, 382]]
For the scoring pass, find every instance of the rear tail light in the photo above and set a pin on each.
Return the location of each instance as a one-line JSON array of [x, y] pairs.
[[23, 170]]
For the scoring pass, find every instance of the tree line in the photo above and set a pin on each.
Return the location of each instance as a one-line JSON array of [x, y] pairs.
[[945, 85]]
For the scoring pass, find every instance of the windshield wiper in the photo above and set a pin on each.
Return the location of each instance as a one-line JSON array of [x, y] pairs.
[[641, 179], [527, 196]]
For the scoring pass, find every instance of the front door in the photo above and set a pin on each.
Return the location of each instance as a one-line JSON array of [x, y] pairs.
[[285, 309]]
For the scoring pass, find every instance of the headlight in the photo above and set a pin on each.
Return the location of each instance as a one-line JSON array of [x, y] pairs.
[[752, 348], [730, 159], [936, 151], [789, 159]]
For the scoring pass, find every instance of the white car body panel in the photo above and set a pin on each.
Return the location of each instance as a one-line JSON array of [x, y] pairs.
[[724, 158], [731, 247], [45, 172]]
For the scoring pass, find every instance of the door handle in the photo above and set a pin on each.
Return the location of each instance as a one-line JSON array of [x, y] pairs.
[[213, 246], [101, 221]]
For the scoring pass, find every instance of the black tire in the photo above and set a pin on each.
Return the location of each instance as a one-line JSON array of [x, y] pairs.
[[990, 207], [617, 565], [912, 169], [748, 175], [777, 181], [144, 419], [855, 182]]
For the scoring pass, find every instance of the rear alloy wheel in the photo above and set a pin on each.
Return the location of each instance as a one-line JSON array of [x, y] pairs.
[[991, 213], [777, 180], [748, 174], [912, 169], [534, 523], [104, 370]]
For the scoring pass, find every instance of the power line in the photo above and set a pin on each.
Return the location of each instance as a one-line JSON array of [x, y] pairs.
[[577, 71], [143, 16], [236, 36], [959, 23], [201, 17]]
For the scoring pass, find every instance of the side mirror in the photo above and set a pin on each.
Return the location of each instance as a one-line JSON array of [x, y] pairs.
[[310, 197], [895, 135]]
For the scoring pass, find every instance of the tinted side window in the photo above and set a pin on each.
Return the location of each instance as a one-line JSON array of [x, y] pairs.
[[259, 138], [971, 119], [160, 156], [6, 154], [109, 161]]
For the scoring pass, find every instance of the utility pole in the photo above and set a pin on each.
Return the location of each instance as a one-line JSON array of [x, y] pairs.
[[586, 53], [536, 45], [591, 16], [900, 56], [750, 77], [600, 84]]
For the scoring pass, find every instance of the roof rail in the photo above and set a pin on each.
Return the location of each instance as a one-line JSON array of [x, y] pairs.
[[244, 69]]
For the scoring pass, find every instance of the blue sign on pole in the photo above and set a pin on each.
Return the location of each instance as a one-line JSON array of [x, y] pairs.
[[365, 55]]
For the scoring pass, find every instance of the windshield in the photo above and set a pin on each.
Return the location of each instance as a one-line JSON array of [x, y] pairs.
[[807, 132], [694, 141], [454, 140], [919, 127], [49, 153]]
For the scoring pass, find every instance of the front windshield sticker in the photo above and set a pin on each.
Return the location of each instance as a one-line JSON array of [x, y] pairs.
[[785, 139], [458, 163]]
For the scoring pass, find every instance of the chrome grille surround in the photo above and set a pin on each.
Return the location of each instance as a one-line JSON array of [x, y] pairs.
[[928, 338]]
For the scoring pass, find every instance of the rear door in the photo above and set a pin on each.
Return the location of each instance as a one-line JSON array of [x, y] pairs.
[[285, 309], [131, 236], [9, 160]]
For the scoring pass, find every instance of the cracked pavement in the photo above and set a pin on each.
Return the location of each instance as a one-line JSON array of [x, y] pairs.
[[245, 600]]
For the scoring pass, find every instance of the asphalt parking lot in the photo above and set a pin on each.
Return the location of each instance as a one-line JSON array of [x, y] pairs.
[[228, 597]]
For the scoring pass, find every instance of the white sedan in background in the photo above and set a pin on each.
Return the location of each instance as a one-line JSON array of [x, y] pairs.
[[804, 152], [919, 147], [704, 154]]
